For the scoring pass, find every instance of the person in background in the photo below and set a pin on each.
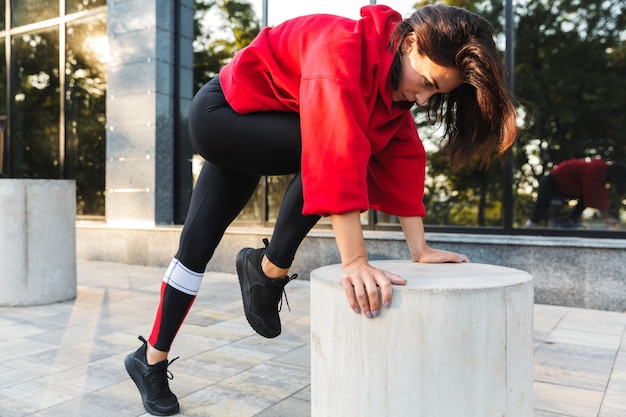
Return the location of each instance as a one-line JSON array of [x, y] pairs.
[[589, 181], [328, 99]]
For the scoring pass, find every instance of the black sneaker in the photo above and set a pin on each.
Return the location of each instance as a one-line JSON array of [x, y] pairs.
[[151, 380], [262, 296]]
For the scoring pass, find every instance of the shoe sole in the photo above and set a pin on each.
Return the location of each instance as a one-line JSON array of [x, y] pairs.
[[137, 378], [243, 283]]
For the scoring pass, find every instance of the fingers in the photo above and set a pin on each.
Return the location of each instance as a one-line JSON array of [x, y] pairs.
[[368, 289], [350, 295], [386, 287], [463, 258], [395, 278], [362, 295]]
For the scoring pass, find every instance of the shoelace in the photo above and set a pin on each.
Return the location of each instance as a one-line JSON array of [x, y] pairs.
[[158, 378], [283, 292], [277, 290], [271, 295]]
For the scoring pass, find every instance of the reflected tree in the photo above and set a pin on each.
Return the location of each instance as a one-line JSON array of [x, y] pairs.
[[468, 197], [235, 26], [221, 28], [30, 11], [571, 61], [85, 113], [38, 147], [35, 146]]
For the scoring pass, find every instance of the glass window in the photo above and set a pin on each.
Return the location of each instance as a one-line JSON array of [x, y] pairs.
[[73, 6], [24, 12], [569, 160], [464, 198], [254, 210], [276, 187], [2, 15], [278, 12], [85, 112], [569, 83], [35, 144], [3, 79], [3, 108]]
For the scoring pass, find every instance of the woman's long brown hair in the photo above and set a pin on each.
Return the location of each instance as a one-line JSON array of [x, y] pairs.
[[479, 116]]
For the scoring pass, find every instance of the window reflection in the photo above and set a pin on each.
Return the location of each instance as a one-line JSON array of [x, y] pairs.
[[580, 193], [463, 198], [3, 79], [255, 208], [24, 12], [3, 109], [570, 74], [277, 185], [85, 99], [73, 6], [35, 150], [2, 14]]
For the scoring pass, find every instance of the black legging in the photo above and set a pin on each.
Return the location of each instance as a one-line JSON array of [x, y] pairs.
[[239, 149], [547, 191]]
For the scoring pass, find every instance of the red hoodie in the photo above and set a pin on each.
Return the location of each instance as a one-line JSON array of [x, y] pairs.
[[579, 178], [359, 150]]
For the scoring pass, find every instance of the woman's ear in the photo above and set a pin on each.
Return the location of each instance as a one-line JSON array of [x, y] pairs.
[[409, 42]]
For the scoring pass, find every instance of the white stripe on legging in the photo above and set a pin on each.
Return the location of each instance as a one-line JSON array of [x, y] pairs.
[[182, 278]]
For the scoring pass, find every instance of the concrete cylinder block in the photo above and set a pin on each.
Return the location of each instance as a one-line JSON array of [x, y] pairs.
[[37, 242], [457, 341]]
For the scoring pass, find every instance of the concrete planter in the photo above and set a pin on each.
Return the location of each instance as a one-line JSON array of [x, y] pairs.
[[457, 341], [38, 241]]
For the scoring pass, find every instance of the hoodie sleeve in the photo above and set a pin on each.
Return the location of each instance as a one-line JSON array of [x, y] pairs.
[[335, 148], [396, 175]]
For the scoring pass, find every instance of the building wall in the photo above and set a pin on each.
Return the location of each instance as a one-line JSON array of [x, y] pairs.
[[151, 53]]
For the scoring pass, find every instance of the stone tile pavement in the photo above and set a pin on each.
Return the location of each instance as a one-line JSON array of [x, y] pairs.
[[66, 359]]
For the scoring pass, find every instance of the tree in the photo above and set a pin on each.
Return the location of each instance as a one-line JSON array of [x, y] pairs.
[[469, 197], [571, 61], [237, 26]]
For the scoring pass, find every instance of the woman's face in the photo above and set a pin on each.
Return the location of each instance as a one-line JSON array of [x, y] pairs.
[[421, 78]]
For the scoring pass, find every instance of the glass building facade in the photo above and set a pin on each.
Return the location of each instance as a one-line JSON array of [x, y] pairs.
[[53, 91], [64, 115]]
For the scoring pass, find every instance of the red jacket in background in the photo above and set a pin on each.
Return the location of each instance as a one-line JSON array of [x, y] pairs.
[[359, 150], [584, 179]]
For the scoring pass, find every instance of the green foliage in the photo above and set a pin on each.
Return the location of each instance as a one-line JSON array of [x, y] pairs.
[[237, 27], [469, 197], [571, 61], [39, 146]]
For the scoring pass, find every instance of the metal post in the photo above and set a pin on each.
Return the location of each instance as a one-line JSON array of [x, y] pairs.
[[508, 157], [1, 143], [264, 12], [510, 44]]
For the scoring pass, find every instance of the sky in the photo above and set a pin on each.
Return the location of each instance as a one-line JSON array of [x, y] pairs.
[[281, 10]]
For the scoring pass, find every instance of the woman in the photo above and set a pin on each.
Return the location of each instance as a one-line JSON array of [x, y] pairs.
[[583, 180], [328, 99]]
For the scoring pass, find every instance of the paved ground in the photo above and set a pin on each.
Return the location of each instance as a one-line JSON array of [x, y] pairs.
[[66, 359]]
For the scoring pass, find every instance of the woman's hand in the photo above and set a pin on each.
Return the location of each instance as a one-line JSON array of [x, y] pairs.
[[413, 228], [361, 282], [359, 279], [435, 256]]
